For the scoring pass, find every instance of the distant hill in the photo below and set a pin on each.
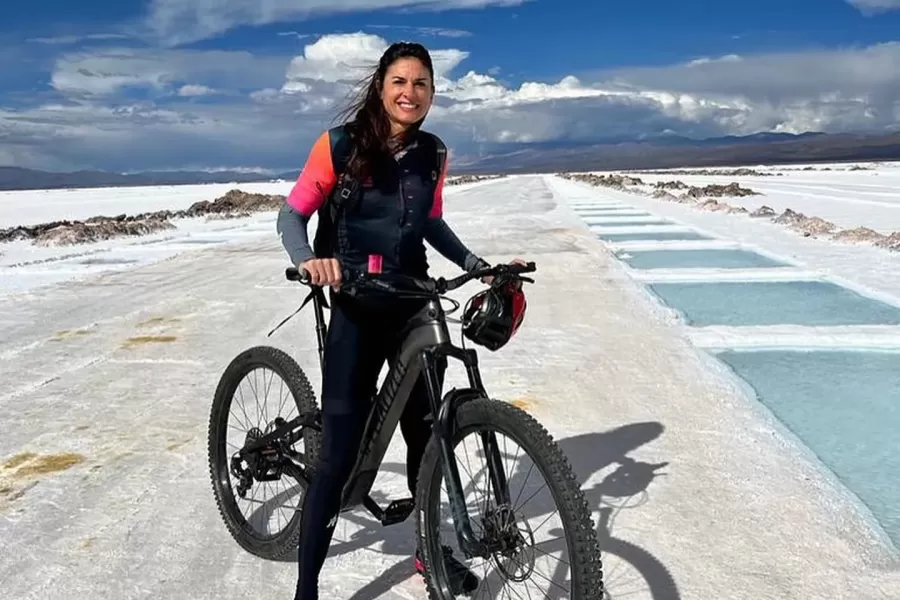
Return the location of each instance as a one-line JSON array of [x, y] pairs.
[[675, 152], [16, 178], [653, 153]]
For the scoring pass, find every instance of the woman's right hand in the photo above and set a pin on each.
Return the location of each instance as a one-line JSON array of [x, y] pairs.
[[323, 271]]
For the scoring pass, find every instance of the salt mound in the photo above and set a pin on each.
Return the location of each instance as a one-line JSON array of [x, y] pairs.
[[858, 234], [732, 189], [763, 211], [235, 203], [891, 242], [98, 230]]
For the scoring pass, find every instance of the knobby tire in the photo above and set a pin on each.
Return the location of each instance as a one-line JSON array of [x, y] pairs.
[[279, 545], [506, 419]]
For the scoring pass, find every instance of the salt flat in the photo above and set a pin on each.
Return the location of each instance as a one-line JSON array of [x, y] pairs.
[[709, 501], [809, 325], [30, 207], [849, 195]]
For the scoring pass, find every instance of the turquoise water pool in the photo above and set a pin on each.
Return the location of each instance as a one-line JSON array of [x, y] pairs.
[[714, 258], [615, 213], [626, 222], [743, 303], [651, 236], [845, 407]]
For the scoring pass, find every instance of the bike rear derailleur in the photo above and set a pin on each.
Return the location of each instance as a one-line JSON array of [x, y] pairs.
[[266, 464]]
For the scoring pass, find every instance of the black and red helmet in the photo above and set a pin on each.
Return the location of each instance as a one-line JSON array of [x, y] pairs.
[[492, 317]]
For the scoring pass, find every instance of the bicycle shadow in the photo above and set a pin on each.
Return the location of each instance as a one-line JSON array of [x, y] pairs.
[[589, 454]]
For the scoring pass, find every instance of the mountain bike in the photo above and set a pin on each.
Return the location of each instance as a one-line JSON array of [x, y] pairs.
[[267, 454]]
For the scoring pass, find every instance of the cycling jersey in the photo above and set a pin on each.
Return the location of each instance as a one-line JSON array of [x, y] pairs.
[[397, 209]]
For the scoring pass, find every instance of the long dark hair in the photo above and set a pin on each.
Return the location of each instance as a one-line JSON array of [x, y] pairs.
[[365, 118]]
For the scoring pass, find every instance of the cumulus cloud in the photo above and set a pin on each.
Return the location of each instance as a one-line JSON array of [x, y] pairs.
[[791, 91], [142, 136], [349, 57], [178, 22], [871, 7], [195, 90], [267, 110], [107, 72]]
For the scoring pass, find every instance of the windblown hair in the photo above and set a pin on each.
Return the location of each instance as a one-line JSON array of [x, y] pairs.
[[365, 118]]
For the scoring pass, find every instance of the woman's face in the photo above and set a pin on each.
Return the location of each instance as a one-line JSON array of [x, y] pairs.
[[407, 92]]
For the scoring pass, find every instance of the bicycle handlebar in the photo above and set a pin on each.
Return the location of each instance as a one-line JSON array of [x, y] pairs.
[[432, 286]]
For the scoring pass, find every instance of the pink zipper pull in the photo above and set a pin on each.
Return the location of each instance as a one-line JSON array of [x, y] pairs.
[[375, 263]]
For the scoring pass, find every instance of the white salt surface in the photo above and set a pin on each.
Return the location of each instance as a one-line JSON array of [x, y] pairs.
[[710, 500]]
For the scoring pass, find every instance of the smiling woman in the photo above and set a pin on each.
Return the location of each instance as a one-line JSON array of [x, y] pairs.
[[393, 174], [397, 98]]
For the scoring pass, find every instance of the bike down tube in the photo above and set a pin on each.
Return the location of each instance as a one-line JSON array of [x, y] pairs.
[[470, 545], [425, 331]]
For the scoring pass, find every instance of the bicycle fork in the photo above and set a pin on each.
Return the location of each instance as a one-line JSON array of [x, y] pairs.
[[444, 426]]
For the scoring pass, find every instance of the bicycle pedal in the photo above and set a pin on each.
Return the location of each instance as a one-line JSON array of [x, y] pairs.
[[398, 511]]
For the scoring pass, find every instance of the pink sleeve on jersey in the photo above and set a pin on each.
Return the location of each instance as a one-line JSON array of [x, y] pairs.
[[316, 180], [437, 207]]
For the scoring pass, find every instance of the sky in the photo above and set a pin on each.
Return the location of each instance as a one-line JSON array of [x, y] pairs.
[[136, 85]]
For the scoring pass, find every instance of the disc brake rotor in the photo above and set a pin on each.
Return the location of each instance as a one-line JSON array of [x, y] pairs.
[[516, 543]]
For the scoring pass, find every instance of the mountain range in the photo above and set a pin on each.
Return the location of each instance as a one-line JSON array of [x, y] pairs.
[[653, 153], [678, 152]]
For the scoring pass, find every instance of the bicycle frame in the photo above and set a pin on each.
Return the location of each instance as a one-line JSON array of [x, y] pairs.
[[426, 343]]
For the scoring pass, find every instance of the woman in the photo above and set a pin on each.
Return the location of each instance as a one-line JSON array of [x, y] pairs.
[[397, 206]]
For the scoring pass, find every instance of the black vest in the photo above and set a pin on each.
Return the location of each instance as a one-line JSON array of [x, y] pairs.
[[385, 215]]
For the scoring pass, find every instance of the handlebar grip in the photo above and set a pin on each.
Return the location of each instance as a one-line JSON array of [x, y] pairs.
[[295, 274]]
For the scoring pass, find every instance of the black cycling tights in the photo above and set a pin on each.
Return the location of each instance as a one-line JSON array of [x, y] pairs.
[[361, 337]]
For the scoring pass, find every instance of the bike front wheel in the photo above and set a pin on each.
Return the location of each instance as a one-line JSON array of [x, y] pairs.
[[510, 523]]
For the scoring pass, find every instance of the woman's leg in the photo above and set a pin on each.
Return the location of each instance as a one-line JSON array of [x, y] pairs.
[[352, 363]]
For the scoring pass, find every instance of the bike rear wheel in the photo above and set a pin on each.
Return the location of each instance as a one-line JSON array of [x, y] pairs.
[[294, 397], [517, 563]]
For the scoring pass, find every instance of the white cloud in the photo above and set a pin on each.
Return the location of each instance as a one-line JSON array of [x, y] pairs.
[[871, 7], [177, 22], [106, 72], [433, 31], [337, 58], [74, 39], [269, 109], [191, 90], [349, 57]]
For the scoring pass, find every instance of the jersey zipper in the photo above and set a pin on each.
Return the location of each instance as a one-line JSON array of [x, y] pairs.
[[402, 219], [402, 203]]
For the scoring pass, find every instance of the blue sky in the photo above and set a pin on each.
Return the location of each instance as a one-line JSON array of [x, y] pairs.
[[133, 85]]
